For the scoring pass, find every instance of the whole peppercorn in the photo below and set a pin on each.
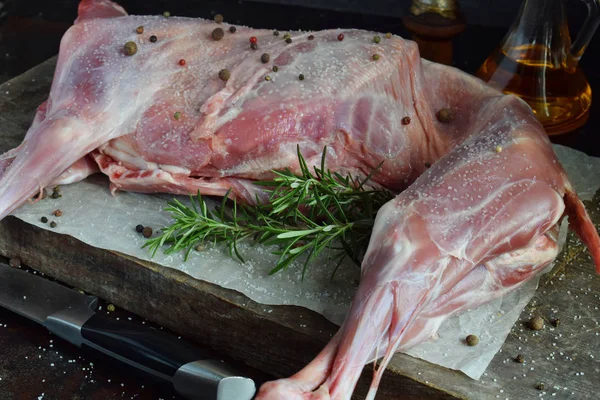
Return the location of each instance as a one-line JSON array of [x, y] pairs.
[[254, 46], [110, 307], [311, 37], [153, 38], [472, 340], [139, 29], [224, 75], [340, 37], [57, 213], [147, 232], [540, 386], [445, 115], [53, 224], [275, 68], [182, 62], [177, 115], [166, 14], [288, 40], [405, 120], [218, 18], [556, 322], [44, 220], [377, 39], [139, 228], [267, 78], [520, 359], [217, 34], [130, 48], [253, 39], [232, 29], [375, 57], [388, 35], [536, 323], [15, 262], [301, 77], [286, 36], [275, 33], [265, 58]]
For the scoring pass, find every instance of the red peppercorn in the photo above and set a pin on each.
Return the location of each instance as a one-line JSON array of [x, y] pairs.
[[182, 62], [341, 37], [253, 39], [405, 120]]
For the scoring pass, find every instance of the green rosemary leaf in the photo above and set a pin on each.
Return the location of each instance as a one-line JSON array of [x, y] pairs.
[[308, 213]]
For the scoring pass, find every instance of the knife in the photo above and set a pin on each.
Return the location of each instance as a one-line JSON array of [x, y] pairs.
[[70, 315]]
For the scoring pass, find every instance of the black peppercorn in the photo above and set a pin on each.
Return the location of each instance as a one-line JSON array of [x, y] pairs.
[[275, 68], [275, 33], [232, 29], [301, 77], [254, 46], [265, 58], [44, 220], [153, 38], [139, 228], [288, 40]]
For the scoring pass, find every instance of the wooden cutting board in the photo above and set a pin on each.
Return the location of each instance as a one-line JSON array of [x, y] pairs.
[[565, 358]]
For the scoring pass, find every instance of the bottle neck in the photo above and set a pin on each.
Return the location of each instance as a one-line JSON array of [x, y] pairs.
[[541, 32]]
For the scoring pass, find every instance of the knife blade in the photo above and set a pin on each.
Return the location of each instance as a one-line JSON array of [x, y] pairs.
[[71, 316]]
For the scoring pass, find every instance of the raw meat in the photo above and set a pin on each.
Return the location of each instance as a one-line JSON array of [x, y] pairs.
[[479, 222]]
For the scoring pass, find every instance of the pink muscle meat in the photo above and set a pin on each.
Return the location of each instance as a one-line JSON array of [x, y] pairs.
[[480, 198]]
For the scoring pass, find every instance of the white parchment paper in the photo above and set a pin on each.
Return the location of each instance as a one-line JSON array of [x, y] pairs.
[[93, 216]]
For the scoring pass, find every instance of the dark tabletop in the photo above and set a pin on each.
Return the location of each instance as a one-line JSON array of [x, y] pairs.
[[34, 363]]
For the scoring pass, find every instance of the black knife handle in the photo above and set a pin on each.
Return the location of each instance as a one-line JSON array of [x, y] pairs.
[[149, 347], [194, 372]]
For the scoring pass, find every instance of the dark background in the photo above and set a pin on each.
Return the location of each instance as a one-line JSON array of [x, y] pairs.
[[30, 32]]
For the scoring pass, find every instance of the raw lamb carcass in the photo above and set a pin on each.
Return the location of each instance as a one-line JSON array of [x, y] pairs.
[[477, 224]]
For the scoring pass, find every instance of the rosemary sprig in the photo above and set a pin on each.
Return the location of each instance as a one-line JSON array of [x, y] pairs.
[[308, 213]]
